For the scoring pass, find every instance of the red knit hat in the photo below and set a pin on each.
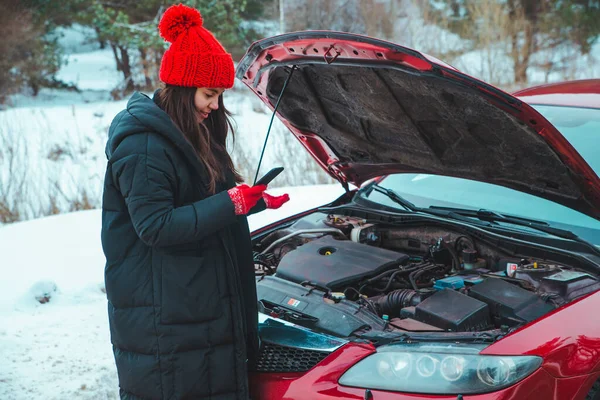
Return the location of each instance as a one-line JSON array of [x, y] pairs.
[[195, 57]]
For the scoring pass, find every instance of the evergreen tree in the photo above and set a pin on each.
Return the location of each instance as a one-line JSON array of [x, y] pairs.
[[255, 9], [127, 30], [224, 19]]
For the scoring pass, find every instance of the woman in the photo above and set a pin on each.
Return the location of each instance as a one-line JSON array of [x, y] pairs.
[[179, 273]]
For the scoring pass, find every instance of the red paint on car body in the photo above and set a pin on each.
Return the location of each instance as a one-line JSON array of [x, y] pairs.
[[582, 93]]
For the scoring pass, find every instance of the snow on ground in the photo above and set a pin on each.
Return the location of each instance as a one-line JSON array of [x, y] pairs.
[[86, 65], [61, 349], [91, 71], [77, 39]]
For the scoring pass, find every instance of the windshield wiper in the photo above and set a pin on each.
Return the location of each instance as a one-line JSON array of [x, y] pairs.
[[542, 226], [494, 216], [395, 197]]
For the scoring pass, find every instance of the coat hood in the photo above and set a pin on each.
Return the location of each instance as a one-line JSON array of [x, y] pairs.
[[138, 116], [365, 108], [143, 115]]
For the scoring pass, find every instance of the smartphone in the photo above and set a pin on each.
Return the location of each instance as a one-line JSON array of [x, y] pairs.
[[269, 176]]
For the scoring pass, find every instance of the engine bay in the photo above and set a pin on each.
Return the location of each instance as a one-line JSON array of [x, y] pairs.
[[347, 276]]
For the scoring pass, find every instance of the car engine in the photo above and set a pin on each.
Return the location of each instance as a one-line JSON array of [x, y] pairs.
[[344, 275]]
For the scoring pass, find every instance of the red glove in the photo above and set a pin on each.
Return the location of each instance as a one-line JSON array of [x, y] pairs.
[[275, 201], [245, 197]]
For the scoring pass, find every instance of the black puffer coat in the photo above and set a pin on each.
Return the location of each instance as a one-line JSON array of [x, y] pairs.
[[179, 273]]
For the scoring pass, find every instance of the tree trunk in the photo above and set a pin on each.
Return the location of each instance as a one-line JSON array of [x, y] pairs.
[[101, 41], [35, 87], [126, 68], [157, 63], [145, 67], [117, 59], [524, 27], [525, 55]]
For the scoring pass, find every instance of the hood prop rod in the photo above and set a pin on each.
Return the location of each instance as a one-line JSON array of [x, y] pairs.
[[262, 153]]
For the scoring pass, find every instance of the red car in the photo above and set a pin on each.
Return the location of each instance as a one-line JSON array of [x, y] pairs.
[[465, 265]]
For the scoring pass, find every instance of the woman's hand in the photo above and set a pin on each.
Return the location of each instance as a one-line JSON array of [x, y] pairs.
[[274, 202], [245, 197]]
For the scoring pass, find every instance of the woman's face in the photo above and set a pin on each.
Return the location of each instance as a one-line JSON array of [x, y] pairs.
[[206, 100]]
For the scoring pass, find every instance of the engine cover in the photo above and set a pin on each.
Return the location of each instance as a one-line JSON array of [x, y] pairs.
[[336, 264]]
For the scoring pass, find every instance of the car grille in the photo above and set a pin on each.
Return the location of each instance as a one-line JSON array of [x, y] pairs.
[[277, 358]]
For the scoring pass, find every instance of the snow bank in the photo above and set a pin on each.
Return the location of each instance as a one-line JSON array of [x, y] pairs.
[[62, 249], [94, 70], [76, 39]]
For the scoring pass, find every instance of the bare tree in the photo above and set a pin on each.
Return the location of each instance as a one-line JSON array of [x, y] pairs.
[[491, 24]]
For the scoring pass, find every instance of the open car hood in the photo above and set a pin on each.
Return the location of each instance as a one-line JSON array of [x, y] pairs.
[[364, 108]]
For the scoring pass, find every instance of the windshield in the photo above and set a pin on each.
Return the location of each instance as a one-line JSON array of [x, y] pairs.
[[579, 125]]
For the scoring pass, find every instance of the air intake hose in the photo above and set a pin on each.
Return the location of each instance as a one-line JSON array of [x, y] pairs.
[[393, 302]]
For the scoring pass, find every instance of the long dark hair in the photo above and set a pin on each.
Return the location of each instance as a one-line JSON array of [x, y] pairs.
[[208, 138]]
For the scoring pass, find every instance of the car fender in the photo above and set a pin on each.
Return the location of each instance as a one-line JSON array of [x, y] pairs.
[[568, 339]]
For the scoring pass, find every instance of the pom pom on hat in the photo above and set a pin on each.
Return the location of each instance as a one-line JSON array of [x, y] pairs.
[[178, 19]]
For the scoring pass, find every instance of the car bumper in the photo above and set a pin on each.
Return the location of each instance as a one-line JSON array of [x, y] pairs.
[[321, 383]]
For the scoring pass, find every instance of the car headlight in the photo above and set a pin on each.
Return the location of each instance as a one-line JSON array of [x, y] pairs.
[[438, 369]]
